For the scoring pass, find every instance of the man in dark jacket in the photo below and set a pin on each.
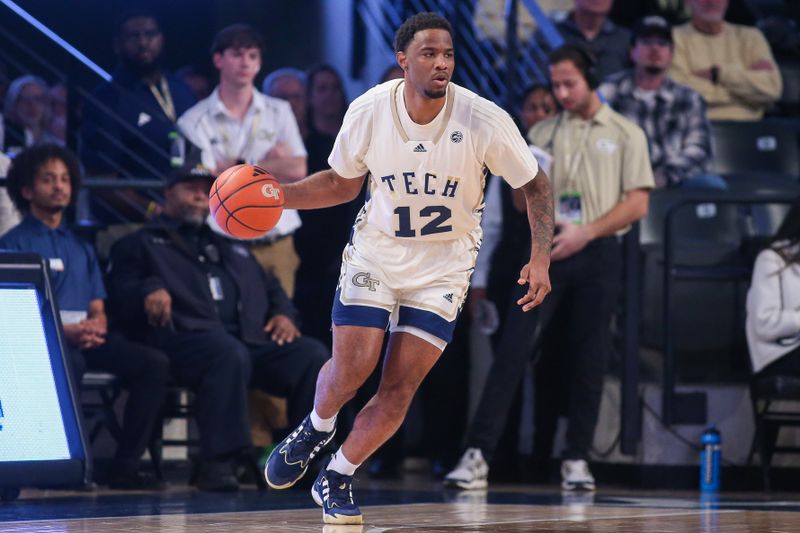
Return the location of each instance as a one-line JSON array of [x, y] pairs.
[[128, 128], [225, 323]]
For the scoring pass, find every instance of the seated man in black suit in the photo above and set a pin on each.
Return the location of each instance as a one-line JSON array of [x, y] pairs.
[[224, 322]]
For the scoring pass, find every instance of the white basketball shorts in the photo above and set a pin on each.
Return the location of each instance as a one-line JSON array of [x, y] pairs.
[[407, 285]]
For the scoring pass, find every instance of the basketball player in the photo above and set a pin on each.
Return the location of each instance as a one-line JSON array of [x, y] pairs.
[[426, 146]]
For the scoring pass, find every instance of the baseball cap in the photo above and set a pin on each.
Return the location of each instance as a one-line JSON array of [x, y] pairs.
[[651, 25], [189, 172]]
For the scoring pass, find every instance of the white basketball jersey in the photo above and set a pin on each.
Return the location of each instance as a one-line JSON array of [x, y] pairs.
[[427, 181]]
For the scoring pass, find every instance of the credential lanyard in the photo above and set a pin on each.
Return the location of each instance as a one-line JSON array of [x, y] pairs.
[[573, 158], [164, 99], [226, 138]]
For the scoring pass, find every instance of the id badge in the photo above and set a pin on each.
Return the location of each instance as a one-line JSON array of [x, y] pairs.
[[56, 264], [569, 207], [215, 286]]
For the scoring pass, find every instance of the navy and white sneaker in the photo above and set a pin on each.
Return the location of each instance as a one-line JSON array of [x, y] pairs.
[[334, 493], [289, 460]]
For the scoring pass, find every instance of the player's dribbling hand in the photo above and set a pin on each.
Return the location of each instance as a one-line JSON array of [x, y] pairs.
[[282, 330], [538, 279]]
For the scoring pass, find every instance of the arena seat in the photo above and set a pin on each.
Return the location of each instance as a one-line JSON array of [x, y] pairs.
[[179, 404], [755, 148], [99, 392], [706, 291], [775, 405]]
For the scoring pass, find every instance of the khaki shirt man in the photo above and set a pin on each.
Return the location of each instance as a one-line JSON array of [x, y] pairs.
[[599, 159]]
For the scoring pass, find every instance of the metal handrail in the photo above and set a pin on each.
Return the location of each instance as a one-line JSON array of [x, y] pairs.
[[116, 183], [67, 76], [50, 34], [477, 63]]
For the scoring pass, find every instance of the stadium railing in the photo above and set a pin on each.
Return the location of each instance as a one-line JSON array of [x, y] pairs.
[[482, 60]]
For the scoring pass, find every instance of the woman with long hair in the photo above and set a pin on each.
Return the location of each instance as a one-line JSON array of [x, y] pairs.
[[324, 233], [327, 101], [773, 302]]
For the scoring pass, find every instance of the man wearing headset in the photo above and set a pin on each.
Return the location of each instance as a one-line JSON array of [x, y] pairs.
[[602, 178]]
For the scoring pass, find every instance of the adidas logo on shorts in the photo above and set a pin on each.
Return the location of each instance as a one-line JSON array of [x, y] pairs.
[[449, 297], [419, 148]]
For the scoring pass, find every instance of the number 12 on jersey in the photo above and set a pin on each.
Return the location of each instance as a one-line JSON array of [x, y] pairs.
[[440, 213]]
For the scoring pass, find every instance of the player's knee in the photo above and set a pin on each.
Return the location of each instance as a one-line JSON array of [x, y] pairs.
[[349, 376]]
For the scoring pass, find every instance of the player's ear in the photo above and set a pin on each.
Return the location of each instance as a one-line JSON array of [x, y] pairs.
[[402, 59]]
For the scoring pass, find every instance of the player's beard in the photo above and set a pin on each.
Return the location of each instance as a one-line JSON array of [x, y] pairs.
[[434, 95], [142, 70]]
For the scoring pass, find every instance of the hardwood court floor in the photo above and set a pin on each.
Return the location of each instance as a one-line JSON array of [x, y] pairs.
[[386, 510]]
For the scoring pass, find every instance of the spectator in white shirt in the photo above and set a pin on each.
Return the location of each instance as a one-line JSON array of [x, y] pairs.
[[238, 124]]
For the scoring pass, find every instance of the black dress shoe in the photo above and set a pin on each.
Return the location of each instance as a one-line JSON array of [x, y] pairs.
[[217, 475], [135, 481]]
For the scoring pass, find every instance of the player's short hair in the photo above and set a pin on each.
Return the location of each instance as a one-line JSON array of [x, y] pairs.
[[416, 23], [237, 36], [26, 164]]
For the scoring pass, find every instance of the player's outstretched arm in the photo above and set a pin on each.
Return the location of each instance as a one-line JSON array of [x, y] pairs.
[[321, 189], [539, 201]]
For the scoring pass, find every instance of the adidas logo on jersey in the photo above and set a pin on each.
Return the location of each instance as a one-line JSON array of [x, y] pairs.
[[449, 297], [419, 148]]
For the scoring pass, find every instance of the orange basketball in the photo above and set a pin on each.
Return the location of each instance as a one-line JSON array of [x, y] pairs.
[[246, 201]]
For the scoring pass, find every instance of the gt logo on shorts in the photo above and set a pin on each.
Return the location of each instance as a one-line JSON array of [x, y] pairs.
[[364, 279]]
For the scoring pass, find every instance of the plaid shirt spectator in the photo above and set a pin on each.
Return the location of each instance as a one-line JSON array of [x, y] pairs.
[[675, 121]]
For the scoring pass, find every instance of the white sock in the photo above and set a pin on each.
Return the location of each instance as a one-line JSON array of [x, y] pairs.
[[322, 424], [340, 464]]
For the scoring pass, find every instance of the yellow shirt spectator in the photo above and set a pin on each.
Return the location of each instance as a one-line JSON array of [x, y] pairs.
[[747, 78]]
